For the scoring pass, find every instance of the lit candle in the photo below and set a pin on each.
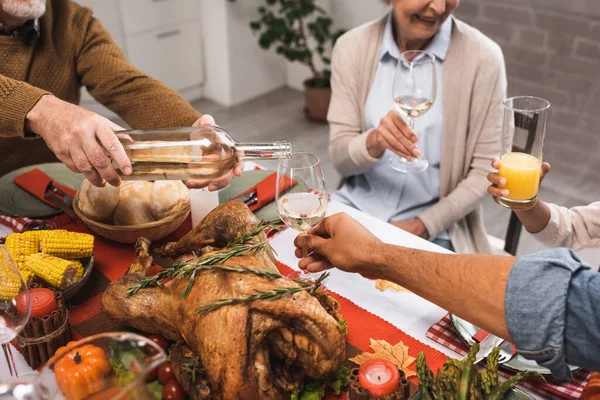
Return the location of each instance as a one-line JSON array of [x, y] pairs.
[[379, 377], [42, 302]]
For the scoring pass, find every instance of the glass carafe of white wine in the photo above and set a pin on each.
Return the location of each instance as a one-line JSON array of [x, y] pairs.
[[206, 152]]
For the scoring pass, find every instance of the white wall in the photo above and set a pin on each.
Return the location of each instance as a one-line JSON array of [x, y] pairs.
[[254, 71], [346, 14], [237, 69], [217, 64]]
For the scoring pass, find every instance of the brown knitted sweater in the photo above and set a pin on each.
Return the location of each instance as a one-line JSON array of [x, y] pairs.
[[74, 50]]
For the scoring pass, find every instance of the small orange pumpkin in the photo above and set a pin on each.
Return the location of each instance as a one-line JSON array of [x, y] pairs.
[[81, 371]]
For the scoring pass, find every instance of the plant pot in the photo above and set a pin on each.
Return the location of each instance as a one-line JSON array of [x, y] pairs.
[[317, 101]]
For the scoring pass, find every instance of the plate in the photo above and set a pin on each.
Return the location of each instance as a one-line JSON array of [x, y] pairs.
[[16, 202], [466, 330], [245, 182], [88, 265]]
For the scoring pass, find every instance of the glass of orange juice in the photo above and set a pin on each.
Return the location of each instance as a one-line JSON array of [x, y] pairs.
[[523, 130]]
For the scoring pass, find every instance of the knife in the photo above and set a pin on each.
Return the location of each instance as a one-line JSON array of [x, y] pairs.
[[60, 199]]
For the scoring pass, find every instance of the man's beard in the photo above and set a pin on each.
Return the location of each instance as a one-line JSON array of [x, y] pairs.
[[23, 9]]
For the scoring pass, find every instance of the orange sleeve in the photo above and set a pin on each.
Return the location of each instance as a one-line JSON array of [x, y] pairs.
[[16, 99], [143, 102]]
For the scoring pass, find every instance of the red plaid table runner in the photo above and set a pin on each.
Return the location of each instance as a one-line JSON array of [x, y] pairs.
[[18, 223], [443, 332]]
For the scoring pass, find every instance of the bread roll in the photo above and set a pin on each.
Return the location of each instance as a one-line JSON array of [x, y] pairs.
[[168, 198], [98, 203], [134, 204]]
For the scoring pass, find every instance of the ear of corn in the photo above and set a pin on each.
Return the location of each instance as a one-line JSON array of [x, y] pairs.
[[21, 245], [68, 245], [10, 285], [56, 271], [10, 281], [27, 276]]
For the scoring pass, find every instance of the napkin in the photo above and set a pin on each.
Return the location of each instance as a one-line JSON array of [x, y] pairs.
[[36, 182], [265, 191]]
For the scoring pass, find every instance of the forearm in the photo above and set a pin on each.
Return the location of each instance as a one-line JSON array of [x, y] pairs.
[[17, 98], [349, 152], [147, 104], [470, 286], [112, 80], [536, 218], [576, 228]]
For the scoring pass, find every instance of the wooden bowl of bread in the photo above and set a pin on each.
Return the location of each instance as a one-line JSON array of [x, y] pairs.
[[134, 209]]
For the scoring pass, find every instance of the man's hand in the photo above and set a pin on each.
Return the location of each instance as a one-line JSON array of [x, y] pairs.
[[339, 242], [414, 226], [393, 133], [496, 180], [80, 139], [219, 183]]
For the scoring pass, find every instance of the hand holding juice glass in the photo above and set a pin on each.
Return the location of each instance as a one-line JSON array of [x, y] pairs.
[[523, 130]]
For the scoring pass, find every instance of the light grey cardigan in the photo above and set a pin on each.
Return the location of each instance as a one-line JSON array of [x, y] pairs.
[[474, 87], [577, 227]]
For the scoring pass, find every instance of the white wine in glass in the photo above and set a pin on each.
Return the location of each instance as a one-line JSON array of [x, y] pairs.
[[414, 91], [413, 106], [303, 209]]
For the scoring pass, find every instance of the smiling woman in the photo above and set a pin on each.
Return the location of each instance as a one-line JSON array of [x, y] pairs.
[[417, 21], [458, 135]]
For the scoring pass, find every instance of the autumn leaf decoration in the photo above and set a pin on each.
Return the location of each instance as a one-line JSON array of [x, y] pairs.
[[383, 285], [397, 354]]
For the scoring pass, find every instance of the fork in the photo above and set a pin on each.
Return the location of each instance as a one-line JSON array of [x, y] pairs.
[[507, 352]]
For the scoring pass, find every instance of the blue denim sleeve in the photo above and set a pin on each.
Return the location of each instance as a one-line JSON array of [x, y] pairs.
[[553, 311]]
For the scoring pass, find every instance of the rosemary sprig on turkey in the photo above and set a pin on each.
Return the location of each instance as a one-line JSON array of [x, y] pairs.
[[192, 367], [274, 294], [242, 245]]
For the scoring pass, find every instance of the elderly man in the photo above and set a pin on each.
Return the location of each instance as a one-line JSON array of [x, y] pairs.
[[546, 303], [49, 49]]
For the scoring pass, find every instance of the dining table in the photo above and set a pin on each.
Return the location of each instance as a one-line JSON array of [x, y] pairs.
[[402, 315]]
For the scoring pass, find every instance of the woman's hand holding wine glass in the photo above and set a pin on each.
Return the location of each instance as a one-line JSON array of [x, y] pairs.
[[414, 92], [395, 134]]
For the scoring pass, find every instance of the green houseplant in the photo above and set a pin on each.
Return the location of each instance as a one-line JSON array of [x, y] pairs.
[[301, 31]]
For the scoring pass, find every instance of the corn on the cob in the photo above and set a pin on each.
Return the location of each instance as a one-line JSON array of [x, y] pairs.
[[69, 245], [57, 272], [21, 245], [27, 276], [10, 284]]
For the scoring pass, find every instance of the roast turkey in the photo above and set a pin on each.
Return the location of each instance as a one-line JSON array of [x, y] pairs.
[[264, 349]]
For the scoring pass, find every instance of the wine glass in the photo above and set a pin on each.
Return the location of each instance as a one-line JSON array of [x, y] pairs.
[[301, 195], [123, 361], [15, 305], [414, 91]]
